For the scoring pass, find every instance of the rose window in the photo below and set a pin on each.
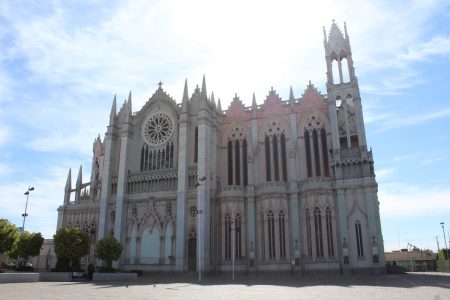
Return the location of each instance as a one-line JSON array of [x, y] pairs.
[[158, 129]]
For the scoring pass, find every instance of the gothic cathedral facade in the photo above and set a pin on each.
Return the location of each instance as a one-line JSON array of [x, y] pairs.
[[286, 185]]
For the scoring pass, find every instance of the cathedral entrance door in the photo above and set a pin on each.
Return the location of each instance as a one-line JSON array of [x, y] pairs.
[[192, 254]]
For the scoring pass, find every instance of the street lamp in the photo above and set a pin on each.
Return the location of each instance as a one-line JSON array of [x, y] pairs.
[[24, 215], [445, 240]]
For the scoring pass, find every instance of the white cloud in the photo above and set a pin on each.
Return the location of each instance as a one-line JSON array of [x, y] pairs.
[[412, 201], [412, 120], [383, 174]]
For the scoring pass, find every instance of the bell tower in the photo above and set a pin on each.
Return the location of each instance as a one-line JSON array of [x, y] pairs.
[[343, 91]]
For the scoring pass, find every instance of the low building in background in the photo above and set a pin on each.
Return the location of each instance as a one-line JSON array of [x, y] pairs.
[[416, 260]]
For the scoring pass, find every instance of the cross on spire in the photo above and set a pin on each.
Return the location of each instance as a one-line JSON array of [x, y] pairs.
[[160, 85]]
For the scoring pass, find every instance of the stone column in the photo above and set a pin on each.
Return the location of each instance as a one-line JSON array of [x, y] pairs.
[[203, 190], [103, 222], [122, 179], [181, 194]]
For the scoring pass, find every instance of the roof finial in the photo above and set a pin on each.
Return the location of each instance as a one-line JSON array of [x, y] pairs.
[[203, 92], [219, 106], [291, 95], [113, 111], [185, 92], [254, 105], [160, 85]]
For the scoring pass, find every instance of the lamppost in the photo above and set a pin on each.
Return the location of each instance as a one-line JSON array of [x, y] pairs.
[[24, 215], [410, 247], [445, 240], [199, 212], [234, 229]]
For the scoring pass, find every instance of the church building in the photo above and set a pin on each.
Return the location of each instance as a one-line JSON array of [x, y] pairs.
[[283, 185]]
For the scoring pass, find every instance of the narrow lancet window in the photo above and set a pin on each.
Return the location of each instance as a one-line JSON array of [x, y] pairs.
[[316, 152], [230, 163], [283, 157], [267, 146], [308, 154], [244, 162], [237, 164]]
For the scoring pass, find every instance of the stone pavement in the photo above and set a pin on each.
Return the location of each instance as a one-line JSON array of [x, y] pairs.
[[434, 286]]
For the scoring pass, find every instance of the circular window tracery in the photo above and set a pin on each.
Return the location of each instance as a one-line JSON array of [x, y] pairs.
[[157, 129]]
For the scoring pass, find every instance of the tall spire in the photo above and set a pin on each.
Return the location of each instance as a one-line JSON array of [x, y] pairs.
[[113, 111], [185, 92], [68, 187], [69, 181], [79, 179], [203, 91], [219, 107], [291, 95], [130, 111], [212, 98], [254, 101]]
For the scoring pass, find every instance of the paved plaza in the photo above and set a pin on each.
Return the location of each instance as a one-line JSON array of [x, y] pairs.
[[409, 286]]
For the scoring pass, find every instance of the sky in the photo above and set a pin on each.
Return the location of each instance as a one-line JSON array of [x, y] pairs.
[[62, 62]]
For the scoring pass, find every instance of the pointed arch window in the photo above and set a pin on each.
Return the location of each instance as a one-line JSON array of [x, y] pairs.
[[238, 240], [326, 168], [282, 234], [244, 162], [308, 154], [263, 235], [237, 163], [318, 232], [271, 232], [267, 148], [308, 232], [230, 163], [227, 235], [359, 241], [196, 145], [316, 152], [275, 157], [283, 156], [329, 225]]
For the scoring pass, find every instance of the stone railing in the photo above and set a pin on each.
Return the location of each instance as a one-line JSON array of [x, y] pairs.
[[144, 183]]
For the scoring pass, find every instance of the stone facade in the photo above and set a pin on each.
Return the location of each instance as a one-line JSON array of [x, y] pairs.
[[284, 185]]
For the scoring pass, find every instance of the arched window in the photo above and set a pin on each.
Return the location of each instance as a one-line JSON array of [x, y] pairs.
[[316, 152], [267, 146], [263, 235], [318, 232], [282, 234], [308, 232], [335, 71], [345, 70], [326, 168], [230, 163], [359, 241], [196, 145], [237, 163], [283, 157], [275, 157], [143, 158], [308, 154], [237, 243], [244, 162], [227, 234], [271, 232], [329, 226]]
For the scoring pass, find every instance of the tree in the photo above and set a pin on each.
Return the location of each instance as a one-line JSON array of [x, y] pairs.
[[29, 244], [8, 235], [109, 249], [70, 245]]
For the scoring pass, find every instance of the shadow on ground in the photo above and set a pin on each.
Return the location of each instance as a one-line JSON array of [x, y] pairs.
[[175, 282]]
